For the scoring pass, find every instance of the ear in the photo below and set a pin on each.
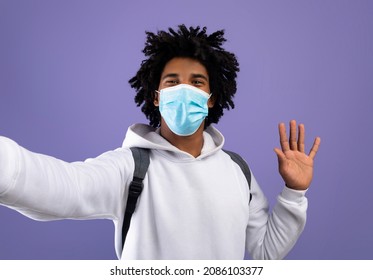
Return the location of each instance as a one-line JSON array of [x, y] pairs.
[[211, 101], [156, 99]]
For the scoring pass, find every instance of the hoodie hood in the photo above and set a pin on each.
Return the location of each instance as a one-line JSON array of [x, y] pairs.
[[145, 136]]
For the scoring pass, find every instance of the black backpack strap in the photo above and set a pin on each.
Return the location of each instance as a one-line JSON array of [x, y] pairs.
[[243, 165], [141, 159]]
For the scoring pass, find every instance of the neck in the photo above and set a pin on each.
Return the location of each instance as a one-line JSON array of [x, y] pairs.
[[190, 144]]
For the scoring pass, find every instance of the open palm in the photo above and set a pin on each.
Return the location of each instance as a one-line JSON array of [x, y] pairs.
[[295, 166]]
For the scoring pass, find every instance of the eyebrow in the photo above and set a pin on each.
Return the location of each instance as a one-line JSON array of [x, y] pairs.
[[175, 75], [170, 75], [200, 76]]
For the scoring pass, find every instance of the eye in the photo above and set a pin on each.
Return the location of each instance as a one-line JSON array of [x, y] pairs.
[[198, 83], [172, 82]]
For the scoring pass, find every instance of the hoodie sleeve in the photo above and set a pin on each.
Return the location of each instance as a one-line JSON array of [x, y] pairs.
[[45, 188], [273, 235]]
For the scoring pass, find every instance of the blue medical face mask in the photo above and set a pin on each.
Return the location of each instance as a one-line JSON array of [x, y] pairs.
[[183, 107]]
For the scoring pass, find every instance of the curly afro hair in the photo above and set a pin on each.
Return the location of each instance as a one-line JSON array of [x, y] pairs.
[[192, 42]]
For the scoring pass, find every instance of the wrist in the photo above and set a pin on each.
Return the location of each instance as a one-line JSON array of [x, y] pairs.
[[293, 195]]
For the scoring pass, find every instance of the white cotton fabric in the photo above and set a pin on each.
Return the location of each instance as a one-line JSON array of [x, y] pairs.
[[190, 208]]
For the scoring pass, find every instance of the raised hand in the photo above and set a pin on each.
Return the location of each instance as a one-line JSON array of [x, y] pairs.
[[295, 166]]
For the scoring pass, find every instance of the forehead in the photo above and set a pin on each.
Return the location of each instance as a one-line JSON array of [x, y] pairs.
[[184, 66]]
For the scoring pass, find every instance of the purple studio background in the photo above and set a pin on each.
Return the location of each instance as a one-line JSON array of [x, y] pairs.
[[64, 67]]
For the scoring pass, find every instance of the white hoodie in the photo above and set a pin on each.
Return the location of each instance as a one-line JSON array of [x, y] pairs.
[[190, 208]]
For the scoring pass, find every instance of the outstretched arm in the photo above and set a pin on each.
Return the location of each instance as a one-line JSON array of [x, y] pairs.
[[295, 166], [46, 188]]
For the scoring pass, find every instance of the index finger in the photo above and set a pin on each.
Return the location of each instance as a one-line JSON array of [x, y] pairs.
[[301, 133]]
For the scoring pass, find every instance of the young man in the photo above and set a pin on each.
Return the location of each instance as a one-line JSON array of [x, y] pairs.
[[196, 201]]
